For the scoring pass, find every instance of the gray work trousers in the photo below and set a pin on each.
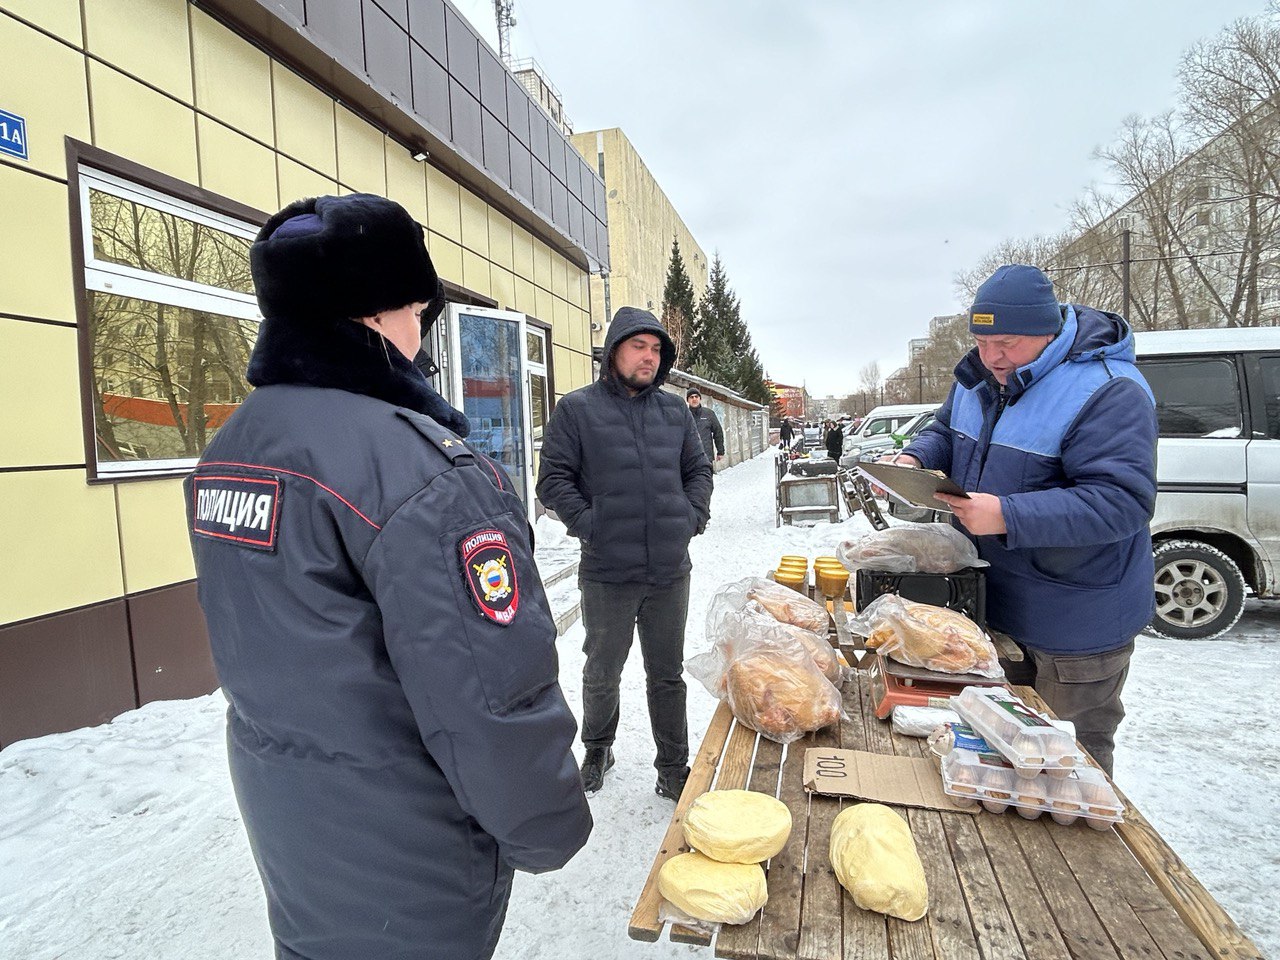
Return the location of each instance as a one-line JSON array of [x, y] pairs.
[[611, 614], [1085, 690]]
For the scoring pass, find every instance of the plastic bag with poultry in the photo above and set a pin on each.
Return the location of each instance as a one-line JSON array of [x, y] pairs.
[[733, 619], [922, 635], [918, 548], [781, 603]]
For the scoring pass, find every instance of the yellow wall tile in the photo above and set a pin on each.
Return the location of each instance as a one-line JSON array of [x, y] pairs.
[[235, 166], [561, 330], [576, 286], [559, 275], [443, 205], [475, 273], [297, 181], [542, 309], [503, 286], [446, 257], [35, 250], [40, 371], [44, 83], [526, 301], [136, 122], [232, 78], [475, 223], [361, 154], [542, 265], [305, 126], [115, 32], [565, 377], [61, 548], [522, 252], [153, 534], [59, 17], [406, 182], [500, 239]]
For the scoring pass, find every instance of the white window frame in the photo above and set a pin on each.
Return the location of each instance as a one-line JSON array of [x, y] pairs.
[[119, 280], [535, 368]]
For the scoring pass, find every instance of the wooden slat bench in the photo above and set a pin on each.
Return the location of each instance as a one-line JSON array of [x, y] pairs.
[[1000, 887]]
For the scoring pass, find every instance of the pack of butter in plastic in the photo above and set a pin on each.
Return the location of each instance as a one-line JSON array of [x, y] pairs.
[[1027, 740], [989, 779]]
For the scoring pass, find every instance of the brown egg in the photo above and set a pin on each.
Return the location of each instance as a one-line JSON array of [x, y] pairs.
[[1065, 799]]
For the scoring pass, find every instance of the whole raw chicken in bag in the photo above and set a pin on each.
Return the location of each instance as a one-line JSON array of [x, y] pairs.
[[922, 635], [918, 548]]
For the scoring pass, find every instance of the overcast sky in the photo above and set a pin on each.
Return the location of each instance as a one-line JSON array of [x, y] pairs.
[[847, 158]]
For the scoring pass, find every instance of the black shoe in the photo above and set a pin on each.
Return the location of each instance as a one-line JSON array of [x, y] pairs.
[[594, 764], [671, 785]]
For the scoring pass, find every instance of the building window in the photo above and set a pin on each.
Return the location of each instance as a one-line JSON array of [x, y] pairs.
[[172, 320]]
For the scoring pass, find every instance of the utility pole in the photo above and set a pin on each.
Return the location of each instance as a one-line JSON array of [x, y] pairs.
[[1125, 261], [920, 383], [504, 12]]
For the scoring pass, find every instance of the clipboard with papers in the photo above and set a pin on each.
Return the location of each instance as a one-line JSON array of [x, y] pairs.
[[912, 485]]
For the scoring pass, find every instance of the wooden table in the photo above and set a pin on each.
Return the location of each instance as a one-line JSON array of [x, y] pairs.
[[1000, 887]]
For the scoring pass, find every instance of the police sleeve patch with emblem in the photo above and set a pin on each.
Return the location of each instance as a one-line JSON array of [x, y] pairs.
[[244, 510], [490, 572]]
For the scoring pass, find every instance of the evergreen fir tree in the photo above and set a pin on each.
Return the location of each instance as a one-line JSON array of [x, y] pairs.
[[679, 308], [710, 346]]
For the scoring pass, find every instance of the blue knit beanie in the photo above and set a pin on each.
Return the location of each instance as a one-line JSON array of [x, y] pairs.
[[1016, 299]]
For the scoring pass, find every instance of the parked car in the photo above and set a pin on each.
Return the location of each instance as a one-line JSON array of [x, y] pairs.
[[1216, 528], [876, 433]]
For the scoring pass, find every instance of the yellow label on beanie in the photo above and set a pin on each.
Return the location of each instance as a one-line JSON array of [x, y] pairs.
[[983, 319]]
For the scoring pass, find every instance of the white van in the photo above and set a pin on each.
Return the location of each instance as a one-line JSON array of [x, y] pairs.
[[877, 428], [1216, 528]]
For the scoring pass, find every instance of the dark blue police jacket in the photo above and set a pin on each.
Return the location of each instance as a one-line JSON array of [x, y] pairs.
[[398, 739]]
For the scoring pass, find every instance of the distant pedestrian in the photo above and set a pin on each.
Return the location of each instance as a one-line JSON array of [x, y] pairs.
[[708, 424], [834, 440], [623, 467], [786, 433]]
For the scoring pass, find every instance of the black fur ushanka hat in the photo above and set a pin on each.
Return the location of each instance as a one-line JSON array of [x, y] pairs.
[[346, 257]]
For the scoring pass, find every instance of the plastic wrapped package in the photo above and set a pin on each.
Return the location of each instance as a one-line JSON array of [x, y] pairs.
[[737, 826], [1029, 741], [922, 635], [767, 674], [738, 628], [875, 859], [918, 548], [713, 891], [921, 721], [782, 603], [990, 779]]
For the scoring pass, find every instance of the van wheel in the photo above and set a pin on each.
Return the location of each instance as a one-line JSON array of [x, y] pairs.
[[1199, 591]]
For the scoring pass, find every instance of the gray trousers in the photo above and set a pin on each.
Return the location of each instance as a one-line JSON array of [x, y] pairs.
[[1085, 690], [611, 614]]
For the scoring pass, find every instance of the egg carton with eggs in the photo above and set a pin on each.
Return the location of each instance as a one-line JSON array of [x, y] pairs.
[[960, 736], [990, 780], [1027, 740]]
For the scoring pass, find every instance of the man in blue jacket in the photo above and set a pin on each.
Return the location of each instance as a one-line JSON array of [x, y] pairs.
[[397, 736], [623, 466], [1052, 430]]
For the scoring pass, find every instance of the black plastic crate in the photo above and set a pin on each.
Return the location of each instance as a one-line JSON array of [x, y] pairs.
[[965, 590], [813, 468]]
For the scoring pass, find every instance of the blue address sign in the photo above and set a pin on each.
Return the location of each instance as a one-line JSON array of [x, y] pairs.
[[13, 135]]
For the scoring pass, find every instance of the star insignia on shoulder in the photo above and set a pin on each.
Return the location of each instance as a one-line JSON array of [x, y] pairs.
[[448, 443]]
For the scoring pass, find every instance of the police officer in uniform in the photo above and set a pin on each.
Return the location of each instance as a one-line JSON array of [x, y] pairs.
[[398, 740]]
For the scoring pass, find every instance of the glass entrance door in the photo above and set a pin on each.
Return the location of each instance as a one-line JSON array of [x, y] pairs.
[[487, 375]]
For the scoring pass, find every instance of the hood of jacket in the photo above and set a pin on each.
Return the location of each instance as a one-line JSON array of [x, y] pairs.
[[1087, 336], [345, 355], [627, 322]]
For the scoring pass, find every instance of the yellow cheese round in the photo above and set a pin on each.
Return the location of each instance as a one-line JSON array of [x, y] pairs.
[[709, 890], [875, 859], [737, 826]]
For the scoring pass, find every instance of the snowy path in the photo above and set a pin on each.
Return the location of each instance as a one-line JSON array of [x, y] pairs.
[[124, 840]]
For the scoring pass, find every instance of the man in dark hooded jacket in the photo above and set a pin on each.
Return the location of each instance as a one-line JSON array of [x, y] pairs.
[[1053, 430], [398, 740], [708, 424], [622, 465]]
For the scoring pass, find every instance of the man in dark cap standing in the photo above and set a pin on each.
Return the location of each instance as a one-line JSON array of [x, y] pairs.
[[622, 465], [708, 424], [398, 740], [1052, 430]]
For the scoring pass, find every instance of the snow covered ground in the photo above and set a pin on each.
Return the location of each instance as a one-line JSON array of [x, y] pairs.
[[124, 840]]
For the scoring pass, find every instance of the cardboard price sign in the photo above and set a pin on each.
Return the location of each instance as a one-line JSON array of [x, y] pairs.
[[898, 781]]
